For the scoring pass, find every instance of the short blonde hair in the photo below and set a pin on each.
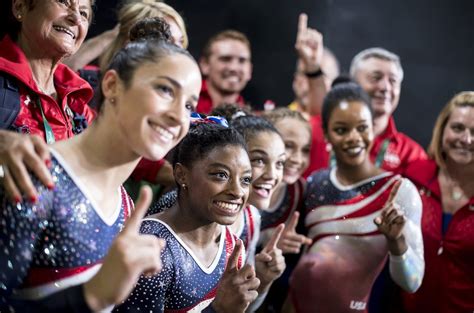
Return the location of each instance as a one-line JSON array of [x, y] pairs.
[[228, 34], [133, 12], [435, 150]]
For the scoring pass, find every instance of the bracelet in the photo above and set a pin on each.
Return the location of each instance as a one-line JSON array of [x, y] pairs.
[[314, 74]]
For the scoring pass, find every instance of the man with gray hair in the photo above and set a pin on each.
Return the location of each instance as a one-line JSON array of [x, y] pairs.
[[380, 73]]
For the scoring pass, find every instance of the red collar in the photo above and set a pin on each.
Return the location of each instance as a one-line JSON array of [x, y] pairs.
[[205, 92], [390, 131], [14, 62]]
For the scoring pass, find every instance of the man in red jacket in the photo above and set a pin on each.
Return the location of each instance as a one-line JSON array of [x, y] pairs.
[[227, 67], [380, 73]]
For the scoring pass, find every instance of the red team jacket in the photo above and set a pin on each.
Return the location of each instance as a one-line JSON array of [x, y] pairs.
[[448, 284], [72, 91]]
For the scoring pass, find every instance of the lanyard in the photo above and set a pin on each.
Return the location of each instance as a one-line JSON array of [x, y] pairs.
[[47, 128], [378, 159]]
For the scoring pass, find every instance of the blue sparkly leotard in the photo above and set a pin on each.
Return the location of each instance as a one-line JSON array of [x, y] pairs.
[[56, 243], [184, 284], [248, 232]]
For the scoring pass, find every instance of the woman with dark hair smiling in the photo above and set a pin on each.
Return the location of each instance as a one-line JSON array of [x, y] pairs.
[[65, 241], [357, 215]]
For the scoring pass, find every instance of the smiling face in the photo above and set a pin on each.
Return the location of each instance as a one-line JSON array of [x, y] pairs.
[[228, 67], [267, 155], [381, 79], [219, 184], [153, 112], [55, 28], [350, 133], [297, 138], [458, 136]]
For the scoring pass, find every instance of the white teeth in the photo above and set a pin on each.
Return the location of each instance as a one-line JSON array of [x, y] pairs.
[[264, 186], [355, 150], [67, 31], [228, 206], [163, 132]]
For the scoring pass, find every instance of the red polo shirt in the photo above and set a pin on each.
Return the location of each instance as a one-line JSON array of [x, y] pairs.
[[205, 104]]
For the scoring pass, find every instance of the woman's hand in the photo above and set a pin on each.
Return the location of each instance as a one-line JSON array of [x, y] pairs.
[[270, 263], [20, 153], [237, 287], [291, 241], [391, 223], [130, 255]]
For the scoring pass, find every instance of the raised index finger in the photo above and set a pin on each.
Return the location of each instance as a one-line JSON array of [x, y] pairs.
[[272, 243], [394, 191], [302, 23], [134, 221], [233, 261]]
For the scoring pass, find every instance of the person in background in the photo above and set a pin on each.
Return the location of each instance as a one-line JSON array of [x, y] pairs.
[[357, 215], [317, 67], [226, 65], [105, 45], [379, 72], [446, 186], [45, 100]]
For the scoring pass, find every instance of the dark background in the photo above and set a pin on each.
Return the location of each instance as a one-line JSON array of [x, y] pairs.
[[435, 40]]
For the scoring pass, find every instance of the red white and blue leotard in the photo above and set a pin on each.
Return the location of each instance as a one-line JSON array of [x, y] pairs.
[[249, 231], [348, 252], [184, 283], [56, 243]]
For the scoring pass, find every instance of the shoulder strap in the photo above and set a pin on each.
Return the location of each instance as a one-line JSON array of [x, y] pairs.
[[9, 101]]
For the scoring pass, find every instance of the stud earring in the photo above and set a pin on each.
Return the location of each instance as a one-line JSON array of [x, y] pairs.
[[184, 186], [19, 17], [112, 100]]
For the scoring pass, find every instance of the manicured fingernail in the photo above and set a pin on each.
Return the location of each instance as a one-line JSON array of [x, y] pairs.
[[48, 163], [17, 199], [33, 199], [50, 186]]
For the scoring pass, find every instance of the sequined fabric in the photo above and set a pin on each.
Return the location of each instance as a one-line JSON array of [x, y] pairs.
[[348, 252], [184, 284], [57, 242]]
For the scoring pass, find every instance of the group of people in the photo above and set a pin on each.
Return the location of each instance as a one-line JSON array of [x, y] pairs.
[[309, 208]]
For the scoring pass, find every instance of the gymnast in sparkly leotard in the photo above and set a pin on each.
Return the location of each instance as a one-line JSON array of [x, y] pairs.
[[357, 215], [61, 240], [201, 268]]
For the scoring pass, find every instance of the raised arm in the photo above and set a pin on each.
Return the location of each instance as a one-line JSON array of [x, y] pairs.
[[309, 47], [91, 49]]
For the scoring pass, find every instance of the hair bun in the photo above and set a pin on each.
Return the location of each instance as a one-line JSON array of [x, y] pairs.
[[151, 28]]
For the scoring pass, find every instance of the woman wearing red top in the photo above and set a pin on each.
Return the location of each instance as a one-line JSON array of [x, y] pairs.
[[52, 98], [446, 186]]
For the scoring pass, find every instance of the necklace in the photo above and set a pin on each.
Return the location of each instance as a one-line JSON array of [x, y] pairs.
[[455, 192]]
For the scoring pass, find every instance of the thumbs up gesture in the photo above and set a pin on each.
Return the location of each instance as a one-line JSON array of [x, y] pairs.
[[130, 255], [237, 287], [291, 241], [270, 263], [391, 223], [309, 45]]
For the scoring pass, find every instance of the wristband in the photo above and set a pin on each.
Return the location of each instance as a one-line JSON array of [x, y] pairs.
[[315, 74]]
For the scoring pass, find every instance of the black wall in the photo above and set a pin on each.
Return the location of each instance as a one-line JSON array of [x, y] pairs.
[[435, 40]]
